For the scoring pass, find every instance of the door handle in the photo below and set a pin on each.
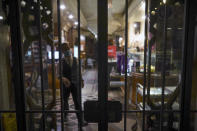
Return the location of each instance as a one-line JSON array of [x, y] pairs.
[[92, 111]]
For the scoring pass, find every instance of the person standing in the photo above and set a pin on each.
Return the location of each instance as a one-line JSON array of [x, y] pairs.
[[70, 80]]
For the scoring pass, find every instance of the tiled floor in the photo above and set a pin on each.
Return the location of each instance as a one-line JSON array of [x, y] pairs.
[[89, 92]]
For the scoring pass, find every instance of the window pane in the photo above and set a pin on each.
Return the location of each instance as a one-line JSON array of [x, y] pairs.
[[7, 101], [159, 34], [89, 50], [116, 51], [194, 73], [136, 38]]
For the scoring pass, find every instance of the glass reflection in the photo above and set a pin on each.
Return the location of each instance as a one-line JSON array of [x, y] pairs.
[[193, 116], [7, 101]]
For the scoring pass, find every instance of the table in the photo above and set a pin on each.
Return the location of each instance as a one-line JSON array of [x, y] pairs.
[[156, 92], [155, 80], [119, 82]]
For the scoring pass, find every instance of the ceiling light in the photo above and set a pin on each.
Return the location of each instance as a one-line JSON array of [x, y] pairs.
[[45, 25], [41, 8], [1, 17], [76, 23], [134, 25], [23, 3], [48, 12], [155, 26], [143, 17], [177, 4], [63, 7], [82, 38], [153, 12], [169, 28], [164, 1], [70, 16], [120, 39]]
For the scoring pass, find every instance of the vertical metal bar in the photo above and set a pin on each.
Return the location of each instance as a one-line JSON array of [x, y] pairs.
[[1, 123], [102, 63], [53, 64], [183, 74], [149, 72], [149, 57], [163, 68], [53, 72], [17, 61], [189, 17], [145, 50], [41, 64], [79, 65], [126, 58], [60, 63]]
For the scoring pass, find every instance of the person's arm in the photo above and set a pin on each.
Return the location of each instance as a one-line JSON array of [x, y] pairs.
[[77, 64], [82, 83], [65, 80]]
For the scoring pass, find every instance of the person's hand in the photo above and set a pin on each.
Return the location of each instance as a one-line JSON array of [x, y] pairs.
[[66, 81]]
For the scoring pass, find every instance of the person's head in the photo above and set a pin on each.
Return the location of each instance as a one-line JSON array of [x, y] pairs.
[[65, 47], [66, 50]]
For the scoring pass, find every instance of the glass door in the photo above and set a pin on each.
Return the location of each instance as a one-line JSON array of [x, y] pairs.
[[97, 65]]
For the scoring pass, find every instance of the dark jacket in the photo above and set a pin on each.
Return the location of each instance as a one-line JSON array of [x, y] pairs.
[[69, 72]]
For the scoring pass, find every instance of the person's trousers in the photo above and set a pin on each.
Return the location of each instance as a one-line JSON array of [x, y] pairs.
[[71, 90]]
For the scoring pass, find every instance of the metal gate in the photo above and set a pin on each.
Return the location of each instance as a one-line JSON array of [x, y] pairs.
[[13, 18]]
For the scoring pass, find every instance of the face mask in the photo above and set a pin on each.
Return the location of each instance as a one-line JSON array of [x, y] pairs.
[[67, 53]]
